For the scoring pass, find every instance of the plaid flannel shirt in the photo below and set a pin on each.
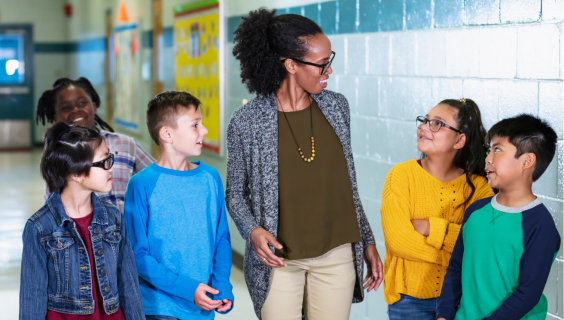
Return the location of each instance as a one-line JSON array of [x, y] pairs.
[[129, 158]]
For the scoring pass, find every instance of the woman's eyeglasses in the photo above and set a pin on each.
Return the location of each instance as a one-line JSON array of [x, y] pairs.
[[434, 125], [324, 67], [105, 164]]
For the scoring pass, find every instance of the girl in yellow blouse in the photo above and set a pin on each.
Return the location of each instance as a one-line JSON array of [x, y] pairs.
[[423, 204]]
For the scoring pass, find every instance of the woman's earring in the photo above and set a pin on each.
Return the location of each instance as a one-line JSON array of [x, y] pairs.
[[80, 181]]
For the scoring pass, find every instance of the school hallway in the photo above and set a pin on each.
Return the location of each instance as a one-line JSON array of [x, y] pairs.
[[21, 196]]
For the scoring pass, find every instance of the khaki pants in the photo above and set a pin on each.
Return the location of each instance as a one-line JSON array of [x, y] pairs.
[[327, 281]]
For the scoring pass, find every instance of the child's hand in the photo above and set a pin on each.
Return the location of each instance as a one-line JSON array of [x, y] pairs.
[[203, 301], [421, 226], [226, 306]]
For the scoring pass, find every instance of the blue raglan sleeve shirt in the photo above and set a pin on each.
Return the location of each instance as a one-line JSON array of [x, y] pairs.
[[222, 261], [136, 215]]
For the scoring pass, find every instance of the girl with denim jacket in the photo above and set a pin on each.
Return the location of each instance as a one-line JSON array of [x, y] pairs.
[[77, 262]]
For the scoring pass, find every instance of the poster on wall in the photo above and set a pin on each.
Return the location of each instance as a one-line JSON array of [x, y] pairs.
[[196, 57], [126, 81]]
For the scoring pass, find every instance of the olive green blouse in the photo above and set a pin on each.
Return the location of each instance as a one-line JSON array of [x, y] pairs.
[[317, 211]]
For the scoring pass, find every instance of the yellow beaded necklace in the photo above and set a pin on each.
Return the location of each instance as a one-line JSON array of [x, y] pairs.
[[294, 136]]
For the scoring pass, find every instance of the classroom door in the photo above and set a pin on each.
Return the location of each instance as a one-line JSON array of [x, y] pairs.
[[16, 87]]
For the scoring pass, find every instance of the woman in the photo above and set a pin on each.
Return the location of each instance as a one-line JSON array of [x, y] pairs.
[[291, 181], [77, 102]]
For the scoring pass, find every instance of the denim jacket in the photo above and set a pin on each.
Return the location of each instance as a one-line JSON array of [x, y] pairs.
[[56, 273]]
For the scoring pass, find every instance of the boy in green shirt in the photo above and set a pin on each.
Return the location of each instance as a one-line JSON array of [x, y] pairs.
[[507, 244]]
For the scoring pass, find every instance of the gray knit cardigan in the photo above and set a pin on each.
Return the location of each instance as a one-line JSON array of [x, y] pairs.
[[252, 181]]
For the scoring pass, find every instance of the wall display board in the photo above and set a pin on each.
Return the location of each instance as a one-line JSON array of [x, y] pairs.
[[197, 63], [127, 76]]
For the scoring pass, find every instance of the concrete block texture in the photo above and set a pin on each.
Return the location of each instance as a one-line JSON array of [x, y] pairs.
[[552, 10], [448, 13], [338, 45], [560, 160], [370, 176], [368, 89], [347, 16], [515, 11], [356, 54], [516, 97], [372, 210], [538, 51], [348, 87], [480, 12], [551, 105], [328, 17], [444, 88], [392, 93], [379, 54], [498, 52], [463, 52], [358, 135], [312, 12], [419, 98], [553, 289], [368, 16], [392, 141], [547, 185], [419, 14], [404, 53], [431, 53], [486, 95], [391, 15]]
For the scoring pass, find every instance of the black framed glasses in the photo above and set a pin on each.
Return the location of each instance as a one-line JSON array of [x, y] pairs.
[[105, 164], [324, 67], [434, 125]]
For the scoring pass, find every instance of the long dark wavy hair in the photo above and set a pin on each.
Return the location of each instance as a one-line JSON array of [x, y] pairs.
[[46, 104], [472, 157]]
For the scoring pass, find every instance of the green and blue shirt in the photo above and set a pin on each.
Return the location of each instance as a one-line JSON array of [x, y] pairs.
[[500, 263]]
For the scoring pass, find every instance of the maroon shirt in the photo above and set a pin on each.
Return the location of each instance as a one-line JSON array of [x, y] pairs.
[[82, 225]]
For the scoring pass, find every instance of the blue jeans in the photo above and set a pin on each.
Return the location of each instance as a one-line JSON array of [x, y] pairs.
[[160, 318], [410, 308]]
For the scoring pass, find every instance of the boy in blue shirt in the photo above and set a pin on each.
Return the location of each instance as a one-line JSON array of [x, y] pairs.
[[507, 244], [175, 211]]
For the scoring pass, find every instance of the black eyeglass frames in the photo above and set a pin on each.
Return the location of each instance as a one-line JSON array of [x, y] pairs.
[[434, 125], [105, 164], [324, 67]]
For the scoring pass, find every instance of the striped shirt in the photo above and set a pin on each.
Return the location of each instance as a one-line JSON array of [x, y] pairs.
[[129, 158]]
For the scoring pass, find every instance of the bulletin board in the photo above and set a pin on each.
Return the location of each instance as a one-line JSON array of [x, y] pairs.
[[197, 63], [126, 81]]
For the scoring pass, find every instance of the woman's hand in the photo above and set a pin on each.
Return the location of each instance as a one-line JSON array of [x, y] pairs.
[[260, 239], [421, 226], [374, 274]]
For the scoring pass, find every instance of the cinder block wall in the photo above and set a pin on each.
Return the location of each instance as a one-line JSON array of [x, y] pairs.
[[396, 59]]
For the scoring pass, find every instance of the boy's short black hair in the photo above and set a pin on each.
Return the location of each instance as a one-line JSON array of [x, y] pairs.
[[528, 134], [68, 150], [164, 108]]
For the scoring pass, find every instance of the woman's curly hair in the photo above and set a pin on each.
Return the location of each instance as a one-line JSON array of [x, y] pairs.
[[263, 39]]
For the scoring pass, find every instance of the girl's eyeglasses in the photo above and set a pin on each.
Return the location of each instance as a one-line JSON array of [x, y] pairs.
[[324, 67], [105, 164], [434, 125]]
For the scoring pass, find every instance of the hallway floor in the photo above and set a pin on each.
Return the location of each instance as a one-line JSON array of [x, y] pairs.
[[21, 194]]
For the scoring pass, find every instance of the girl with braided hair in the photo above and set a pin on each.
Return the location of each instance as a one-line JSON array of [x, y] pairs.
[[77, 102]]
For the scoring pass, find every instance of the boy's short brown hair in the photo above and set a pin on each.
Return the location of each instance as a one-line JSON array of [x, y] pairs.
[[164, 109]]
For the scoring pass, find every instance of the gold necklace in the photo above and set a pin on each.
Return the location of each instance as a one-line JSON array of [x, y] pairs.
[[294, 136]]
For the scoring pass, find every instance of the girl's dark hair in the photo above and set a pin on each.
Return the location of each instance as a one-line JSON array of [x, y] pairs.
[[46, 104], [263, 39], [68, 150], [472, 157]]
